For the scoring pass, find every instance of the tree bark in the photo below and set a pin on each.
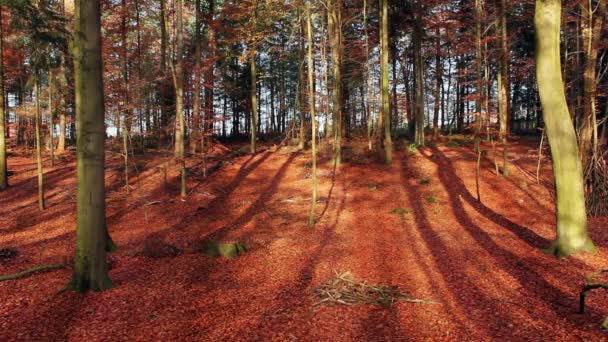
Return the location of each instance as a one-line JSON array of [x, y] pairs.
[[572, 236], [90, 267], [3, 156], [385, 99]]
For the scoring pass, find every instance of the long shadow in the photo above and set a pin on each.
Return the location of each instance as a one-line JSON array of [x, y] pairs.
[[292, 295], [257, 206], [219, 201], [531, 280], [455, 188], [452, 276]]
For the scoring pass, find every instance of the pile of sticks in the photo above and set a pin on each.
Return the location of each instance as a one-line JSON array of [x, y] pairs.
[[346, 290]]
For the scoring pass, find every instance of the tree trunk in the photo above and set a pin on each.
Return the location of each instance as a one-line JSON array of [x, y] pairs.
[[178, 77], [572, 236], [386, 111], [38, 135], [196, 88], [504, 93], [90, 267], [3, 157], [593, 22], [311, 100], [335, 32], [438, 84], [419, 73]]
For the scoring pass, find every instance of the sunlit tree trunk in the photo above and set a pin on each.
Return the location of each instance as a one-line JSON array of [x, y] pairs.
[[504, 92], [335, 38], [254, 86], [90, 267], [386, 112], [313, 118], [38, 136], [572, 236], [178, 78], [3, 158]]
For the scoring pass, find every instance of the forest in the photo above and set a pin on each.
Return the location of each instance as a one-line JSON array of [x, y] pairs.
[[310, 170]]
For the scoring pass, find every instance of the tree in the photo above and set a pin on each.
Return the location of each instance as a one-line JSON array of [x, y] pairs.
[[178, 80], [3, 163], [572, 236], [311, 100], [254, 85], [334, 20], [419, 74], [386, 112], [90, 267], [504, 92]]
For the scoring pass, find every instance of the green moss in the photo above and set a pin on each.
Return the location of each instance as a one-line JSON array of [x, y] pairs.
[[226, 250], [432, 199], [400, 211]]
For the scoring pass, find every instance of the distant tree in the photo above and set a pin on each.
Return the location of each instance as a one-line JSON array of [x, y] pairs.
[[572, 236]]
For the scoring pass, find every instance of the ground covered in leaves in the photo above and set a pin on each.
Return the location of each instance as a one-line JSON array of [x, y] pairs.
[[467, 270]]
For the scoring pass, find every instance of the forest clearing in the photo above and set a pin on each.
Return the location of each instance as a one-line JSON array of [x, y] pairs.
[[303, 170], [480, 262]]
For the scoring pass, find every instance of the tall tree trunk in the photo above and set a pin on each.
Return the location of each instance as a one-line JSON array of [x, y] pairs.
[[504, 93], [51, 121], [335, 32], [367, 95], [254, 102], [90, 266], [38, 135], [3, 157], [572, 236], [593, 22], [386, 111], [438, 84], [313, 117], [419, 73], [178, 78], [196, 88], [210, 74]]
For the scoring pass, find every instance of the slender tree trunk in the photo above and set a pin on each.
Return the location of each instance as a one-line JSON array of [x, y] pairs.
[[51, 121], [38, 135], [90, 266], [504, 93], [180, 123], [367, 95], [438, 84], [335, 33], [419, 73], [3, 156], [593, 22], [313, 117], [196, 102], [386, 111], [209, 75], [572, 236]]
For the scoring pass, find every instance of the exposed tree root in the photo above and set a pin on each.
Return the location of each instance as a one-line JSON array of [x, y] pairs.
[[28, 272], [591, 284]]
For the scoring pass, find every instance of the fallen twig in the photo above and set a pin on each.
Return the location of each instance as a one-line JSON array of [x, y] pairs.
[[28, 272]]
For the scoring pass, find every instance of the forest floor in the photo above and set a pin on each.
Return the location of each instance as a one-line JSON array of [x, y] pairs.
[[416, 225]]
